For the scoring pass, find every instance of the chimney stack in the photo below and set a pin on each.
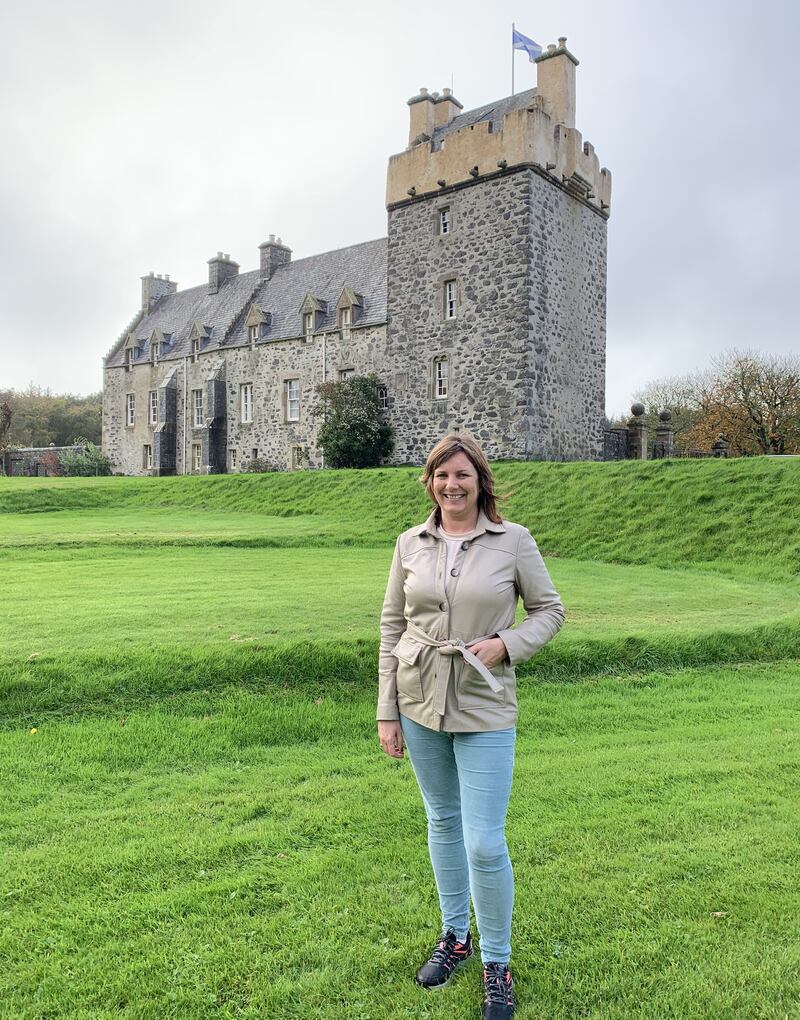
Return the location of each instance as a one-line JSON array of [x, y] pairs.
[[274, 253], [155, 287], [422, 117], [220, 269], [445, 108], [555, 82]]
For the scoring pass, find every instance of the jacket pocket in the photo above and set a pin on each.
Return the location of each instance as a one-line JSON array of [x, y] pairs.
[[409, 678], [472, 691]]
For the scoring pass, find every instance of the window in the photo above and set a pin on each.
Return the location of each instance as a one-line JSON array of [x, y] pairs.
[[440, 374], [128, 358], [197, 404], [292, 398], [246, 402], [152, 405], [450, 299], [383, 397], [254, 453], [297, 457], [345, 321], [148, 457], [130, 408], [155, 352], [346, 373], [231, 460], [196, 456], [444, 220], [195, 348], [252, 333], [308, 324]]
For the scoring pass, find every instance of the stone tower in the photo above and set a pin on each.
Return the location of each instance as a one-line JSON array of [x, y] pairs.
[[497, 273]]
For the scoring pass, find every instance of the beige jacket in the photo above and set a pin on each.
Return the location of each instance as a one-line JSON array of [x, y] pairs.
[[423, 672]]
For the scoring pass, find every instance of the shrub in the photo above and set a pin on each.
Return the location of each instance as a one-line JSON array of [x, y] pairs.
[[90, 460], [354, 433]]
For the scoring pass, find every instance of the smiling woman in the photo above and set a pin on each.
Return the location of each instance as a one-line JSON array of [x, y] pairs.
[[447, 689]]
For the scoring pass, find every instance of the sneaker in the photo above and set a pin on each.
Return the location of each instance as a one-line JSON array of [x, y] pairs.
[[498, 992], [446, 957]]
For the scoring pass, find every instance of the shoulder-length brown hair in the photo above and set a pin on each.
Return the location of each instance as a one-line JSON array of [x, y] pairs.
[[444, 450]]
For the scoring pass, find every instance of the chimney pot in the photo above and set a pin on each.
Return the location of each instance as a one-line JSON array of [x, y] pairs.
[[219, 254], [271, 238]]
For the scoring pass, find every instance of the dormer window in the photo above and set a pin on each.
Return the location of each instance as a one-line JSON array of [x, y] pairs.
[[197, 335], [345, 321], [257, 323], [349, 308], [444, 220], [155, 351], [312, 315], [128, 357]]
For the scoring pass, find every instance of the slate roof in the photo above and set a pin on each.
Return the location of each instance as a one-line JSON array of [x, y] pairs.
[[362, 267], [493, 112]]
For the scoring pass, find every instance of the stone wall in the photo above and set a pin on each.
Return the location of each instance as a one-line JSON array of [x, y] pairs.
[[567, 325], [527, 346], [266, 366]]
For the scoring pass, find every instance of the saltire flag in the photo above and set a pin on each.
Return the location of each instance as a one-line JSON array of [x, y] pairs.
[[522, 42]]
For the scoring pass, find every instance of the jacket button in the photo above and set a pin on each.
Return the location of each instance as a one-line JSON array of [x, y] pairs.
[[454, 572], [443, 606], [465, 545]]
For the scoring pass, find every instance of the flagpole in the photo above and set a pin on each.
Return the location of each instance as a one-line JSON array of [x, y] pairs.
[[512, 58]]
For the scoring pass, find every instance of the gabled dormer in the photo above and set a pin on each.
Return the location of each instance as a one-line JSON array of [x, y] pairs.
[[199, 335], [133, 348], [312, 312], [348, 310], [159, 342], [257, 323]]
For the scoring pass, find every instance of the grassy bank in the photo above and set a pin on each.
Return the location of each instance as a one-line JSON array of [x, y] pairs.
[[718, 515]]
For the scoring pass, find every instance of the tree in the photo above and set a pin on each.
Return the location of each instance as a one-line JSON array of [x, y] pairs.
[[753, 400], [353, 431], [6, 414], [42, 417], [679, 394]]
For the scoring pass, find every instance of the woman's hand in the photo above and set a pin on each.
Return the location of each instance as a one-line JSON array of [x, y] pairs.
[[491, 652], [390, 734]]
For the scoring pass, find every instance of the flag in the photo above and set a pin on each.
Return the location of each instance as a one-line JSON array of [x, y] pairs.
[[522, 42]]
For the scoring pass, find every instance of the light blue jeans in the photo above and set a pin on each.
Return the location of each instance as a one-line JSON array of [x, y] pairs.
[[465, 781]]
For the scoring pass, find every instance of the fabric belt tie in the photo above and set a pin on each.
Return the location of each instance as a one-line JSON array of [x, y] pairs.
[[455, 646]]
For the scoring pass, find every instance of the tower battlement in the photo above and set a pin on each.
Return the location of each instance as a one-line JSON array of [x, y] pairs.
[[533, 128]]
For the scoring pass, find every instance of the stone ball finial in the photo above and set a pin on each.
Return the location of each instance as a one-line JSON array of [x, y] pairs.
[[637, 409], [665, 415]]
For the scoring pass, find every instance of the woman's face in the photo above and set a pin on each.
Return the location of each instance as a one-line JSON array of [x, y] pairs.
[[456, 488]]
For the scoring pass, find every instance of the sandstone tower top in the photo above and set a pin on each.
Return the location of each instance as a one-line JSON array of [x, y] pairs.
[[448, 148]]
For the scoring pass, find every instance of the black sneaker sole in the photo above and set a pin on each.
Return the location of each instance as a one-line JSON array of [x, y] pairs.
[[444, 984]]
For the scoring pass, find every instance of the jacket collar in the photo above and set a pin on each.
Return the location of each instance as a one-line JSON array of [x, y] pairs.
[[483, 525]]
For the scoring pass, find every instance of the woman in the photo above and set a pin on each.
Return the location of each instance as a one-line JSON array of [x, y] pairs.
[[447, 691]]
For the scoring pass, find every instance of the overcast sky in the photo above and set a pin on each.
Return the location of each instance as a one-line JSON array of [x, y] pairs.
[[142, 137]]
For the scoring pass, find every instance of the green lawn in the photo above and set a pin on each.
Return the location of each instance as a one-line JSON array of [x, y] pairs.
[[202, 825], [240, 856]]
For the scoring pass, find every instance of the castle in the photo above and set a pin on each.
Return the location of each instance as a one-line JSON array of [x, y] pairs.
[[483, 309]]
